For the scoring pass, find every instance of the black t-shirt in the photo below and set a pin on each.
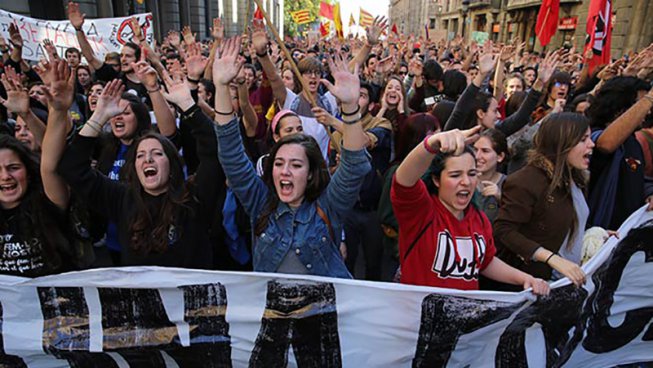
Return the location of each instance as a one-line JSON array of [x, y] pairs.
[[22, 248]]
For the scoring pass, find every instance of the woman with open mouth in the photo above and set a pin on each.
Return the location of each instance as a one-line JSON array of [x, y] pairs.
[[543, 208], [117, 138], [444, 240], [37, 223], [161, 219], [297, 210]]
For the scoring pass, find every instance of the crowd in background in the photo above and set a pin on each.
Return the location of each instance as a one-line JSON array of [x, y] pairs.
[[387, 157]]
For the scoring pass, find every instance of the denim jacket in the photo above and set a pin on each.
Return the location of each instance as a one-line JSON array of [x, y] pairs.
[[301, 231]]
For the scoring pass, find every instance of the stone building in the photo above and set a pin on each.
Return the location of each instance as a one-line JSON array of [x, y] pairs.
[[168, 14], [506, 20]]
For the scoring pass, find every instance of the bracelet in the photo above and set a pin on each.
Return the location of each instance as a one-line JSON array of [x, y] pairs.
[[261, 55], [97, 128], [649, 98], [153, 90], [224, 113], [358, 109], [354, 119], [550, 256], [428, 147], [192, 80], [78, 29]]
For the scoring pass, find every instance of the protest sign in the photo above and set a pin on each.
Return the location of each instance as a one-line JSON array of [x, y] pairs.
[[158, 317], [105, 34], [480, 37]]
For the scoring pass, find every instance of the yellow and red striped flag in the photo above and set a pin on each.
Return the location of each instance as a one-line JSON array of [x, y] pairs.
[[366, 19], [352, 21], [337, 20], [301, 16], [325, 28]]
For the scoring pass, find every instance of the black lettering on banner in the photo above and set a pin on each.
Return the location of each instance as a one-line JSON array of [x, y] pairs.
[[557, 313], [304, 316], [65, 318], [66, 331], [445, 318], [601, 336], [205, 309], [8, 360], [135, 324]]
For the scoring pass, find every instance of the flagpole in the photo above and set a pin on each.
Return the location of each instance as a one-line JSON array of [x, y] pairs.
[[286, 53], [249, 12]]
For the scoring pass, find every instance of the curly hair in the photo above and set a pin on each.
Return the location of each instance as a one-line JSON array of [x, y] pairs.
[[615, 97]]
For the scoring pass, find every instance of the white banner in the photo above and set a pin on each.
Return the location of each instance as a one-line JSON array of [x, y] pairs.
[[105, 34], [157, 317]]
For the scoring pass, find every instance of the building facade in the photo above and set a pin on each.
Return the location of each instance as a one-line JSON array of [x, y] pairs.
[[168, 14], [508, 20]]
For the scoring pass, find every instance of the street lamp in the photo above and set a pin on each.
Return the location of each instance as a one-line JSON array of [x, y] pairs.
[[465, 9]]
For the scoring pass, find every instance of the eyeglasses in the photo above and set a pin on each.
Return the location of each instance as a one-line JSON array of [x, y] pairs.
[[560, 84], [315, 73], [403, 73]]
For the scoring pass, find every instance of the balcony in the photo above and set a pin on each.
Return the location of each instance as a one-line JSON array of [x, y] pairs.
[[479, 3], [517, 4]]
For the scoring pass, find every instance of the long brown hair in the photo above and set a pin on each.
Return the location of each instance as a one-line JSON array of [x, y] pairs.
[[557, 136], [149, 231], [318, 176]]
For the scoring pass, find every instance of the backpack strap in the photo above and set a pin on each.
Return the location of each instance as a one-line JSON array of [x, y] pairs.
[[326, 220], [417, 238]]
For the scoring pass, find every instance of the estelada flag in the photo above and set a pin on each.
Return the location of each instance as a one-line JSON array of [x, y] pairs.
[[337, 20], [599, 32], [547, 21], [301, 16], [326, 10], [325, 28], [394, 29], [365, 19], [352, 22], [258, 14]]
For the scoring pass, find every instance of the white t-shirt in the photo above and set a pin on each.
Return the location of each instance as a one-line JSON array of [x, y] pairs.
[[309, 123]]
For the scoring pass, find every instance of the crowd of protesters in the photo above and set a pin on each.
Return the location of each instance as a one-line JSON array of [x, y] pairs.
[[428, 162]]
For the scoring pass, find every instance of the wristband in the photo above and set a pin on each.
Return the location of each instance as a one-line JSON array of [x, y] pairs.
[[192, 80], [428, 147], [224, 113], [153, 90], [354, 119], [550, 256], [78, 29], [358, 109], [261, 55]]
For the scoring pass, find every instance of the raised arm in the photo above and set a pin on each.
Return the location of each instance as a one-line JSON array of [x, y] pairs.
[[260, 43], [486, 63], [619, 130], [60, 97], [250, 119], [521, 117], [100, 192], [373, 33], [146, 74], [419, 159], [248, 187], [18, 102], [76, 18], [217, 32]]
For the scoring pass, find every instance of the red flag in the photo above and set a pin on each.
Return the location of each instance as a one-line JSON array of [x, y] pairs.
[[599, 32], [326, 10], [394, 29], [547, 21], [258, 14]]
